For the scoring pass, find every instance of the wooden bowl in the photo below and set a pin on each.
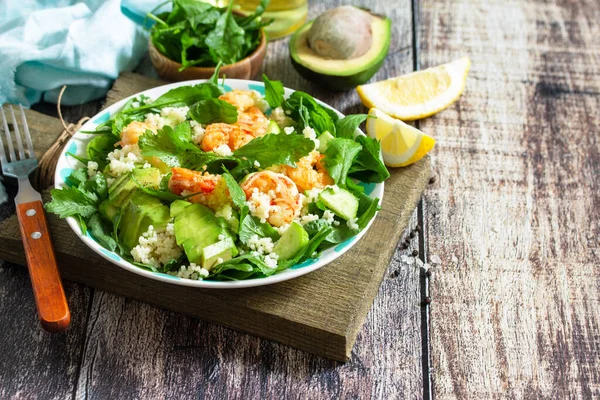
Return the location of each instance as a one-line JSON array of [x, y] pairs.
[[247, 68]]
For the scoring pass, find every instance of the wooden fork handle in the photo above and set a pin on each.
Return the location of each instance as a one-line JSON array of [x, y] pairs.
[[47, 287]]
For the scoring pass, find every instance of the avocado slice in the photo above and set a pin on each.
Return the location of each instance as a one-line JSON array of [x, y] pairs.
[[293, 240], [125, 184], [177, 206], [107, 210], [199, 231], [224, 249], [340, 73], [138, 213]]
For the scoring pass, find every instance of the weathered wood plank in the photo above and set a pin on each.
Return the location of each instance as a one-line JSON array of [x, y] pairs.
[[514, 213], [33, 362], [174, 356]]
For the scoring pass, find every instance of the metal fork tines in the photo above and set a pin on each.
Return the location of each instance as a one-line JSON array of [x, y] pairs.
[[22, 165]]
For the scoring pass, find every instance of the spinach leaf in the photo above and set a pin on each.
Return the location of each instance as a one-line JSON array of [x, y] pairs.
[[182, 96], [226, 40], [275, 149], [340, 154], [273, 92], [304, 107], [99, 147], [252, 226], [214, 110], [101, 232], [368, 166], [346, 126]]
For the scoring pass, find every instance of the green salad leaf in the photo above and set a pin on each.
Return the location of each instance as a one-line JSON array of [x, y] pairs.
[[214, 110], [346, 126], [369, 166], [197, 33], [339, 157], [305, 109], [276, 149], [100, 230], [273, 92], [235, 191], [182, 96], [175, 147], [82, 198], [226, 40], [252, 226]]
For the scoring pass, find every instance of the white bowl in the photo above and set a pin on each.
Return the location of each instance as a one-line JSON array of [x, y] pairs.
[[77, 145]]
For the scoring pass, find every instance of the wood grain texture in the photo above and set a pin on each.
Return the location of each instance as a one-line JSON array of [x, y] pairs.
[[35, 364], [514, 213], [48, 291], [135, 350]]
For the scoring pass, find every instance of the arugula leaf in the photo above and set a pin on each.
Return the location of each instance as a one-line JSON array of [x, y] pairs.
[[235, 191], [340, 154], [214, 110], [273, 149], [182, 96], [251, 226], [273, 92], [226, 40], [346, 126], [368, 166], [175, 147], [101, 232], [99, 147]]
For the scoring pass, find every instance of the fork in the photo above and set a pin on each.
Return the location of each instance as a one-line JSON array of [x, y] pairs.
[[48, 291]]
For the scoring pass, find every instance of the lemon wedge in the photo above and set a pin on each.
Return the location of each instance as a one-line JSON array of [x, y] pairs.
[[419, 94], [401, 144]]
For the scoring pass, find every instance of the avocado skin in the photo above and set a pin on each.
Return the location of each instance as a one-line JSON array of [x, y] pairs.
[[338, 83]]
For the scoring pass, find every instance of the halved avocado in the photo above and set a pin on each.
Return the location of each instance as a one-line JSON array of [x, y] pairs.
[[341, 73]]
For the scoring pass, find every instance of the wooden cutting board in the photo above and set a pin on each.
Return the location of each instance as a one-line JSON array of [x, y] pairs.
[[320, 312]]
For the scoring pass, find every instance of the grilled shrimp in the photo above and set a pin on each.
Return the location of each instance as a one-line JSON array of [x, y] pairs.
[[253, 121], [250, 118], [132, 132], [241, 99], [212, 189], [309, 173], [272, 196], [219, 134]]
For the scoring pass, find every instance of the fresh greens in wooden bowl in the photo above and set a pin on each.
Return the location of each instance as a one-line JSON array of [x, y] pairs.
[[198, 34]]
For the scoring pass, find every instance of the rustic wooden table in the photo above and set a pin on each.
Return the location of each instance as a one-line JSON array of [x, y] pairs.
[[513, 215]]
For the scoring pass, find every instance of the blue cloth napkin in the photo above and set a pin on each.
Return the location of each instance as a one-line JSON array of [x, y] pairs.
[[85, 45]]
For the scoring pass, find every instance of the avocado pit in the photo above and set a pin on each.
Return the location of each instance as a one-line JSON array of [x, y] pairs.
[[330, 36]]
